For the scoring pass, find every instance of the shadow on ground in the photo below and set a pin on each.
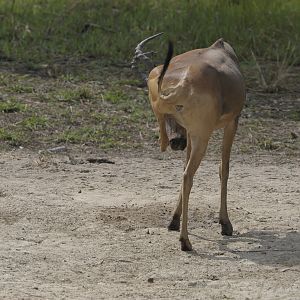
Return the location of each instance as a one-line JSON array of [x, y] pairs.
[[261, 247]]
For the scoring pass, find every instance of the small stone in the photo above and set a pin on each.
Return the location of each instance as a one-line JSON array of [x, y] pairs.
[[192, 284], [213, 277], [150, 280], [57, 149], [294, 135], [285, 269]]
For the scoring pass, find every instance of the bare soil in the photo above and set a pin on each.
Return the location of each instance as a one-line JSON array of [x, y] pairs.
[[71, 229]]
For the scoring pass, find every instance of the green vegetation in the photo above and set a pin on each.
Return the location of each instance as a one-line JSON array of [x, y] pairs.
[[295, 115], [11, 107], [34, 122], [104, 113], [74, 95], [17, 88], [14, 138], [36, 31], [116, 96]]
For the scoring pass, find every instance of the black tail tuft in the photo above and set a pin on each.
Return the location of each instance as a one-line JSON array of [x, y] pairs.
[[166, 65]]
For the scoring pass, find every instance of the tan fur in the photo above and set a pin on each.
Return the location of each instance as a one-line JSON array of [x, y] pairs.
[[202, 90]]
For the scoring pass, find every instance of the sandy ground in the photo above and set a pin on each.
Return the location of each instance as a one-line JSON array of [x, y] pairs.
[[77, 230]]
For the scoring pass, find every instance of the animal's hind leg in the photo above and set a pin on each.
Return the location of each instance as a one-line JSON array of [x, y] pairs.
[[175, 222], [198, 148], [229, 133]]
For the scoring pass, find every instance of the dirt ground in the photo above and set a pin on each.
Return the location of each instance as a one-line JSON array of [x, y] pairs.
[[71, 229]]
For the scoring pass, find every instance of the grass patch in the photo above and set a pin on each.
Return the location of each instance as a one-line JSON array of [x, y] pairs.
[[295, 115], [34, 31], [107, 114], [116, 96], [20, 88], [268, 144], [80, 135], [13, 137], [105, 138], [76, 94], [34, 123], [11, 107]]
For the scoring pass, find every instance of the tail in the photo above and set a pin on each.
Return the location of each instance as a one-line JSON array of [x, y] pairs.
[[166, 65]]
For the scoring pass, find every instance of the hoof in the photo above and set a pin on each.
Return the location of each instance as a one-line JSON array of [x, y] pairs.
[[178, 143], [174, 224], [227, 229], [186, 245]]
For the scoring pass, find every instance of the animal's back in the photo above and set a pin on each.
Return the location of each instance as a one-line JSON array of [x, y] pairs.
[[210, 69], [199, 78]]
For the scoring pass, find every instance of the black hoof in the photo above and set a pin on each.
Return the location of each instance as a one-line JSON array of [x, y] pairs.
[[178, 143], [227, 229], [174, 224], [186, 245]]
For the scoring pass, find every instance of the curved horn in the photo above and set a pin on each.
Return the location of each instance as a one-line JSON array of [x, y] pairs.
[[143, 42], [139, 54]]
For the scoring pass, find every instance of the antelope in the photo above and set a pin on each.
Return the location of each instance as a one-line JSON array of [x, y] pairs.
[[195, 93]]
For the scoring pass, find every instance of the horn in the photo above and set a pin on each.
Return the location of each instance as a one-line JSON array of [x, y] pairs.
[[140, 55], [138, 48]]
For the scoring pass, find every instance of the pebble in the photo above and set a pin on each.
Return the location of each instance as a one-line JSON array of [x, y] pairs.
[[192, 283]]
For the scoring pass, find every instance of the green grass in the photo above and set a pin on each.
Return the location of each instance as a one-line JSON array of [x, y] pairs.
[[106, 112], [34, 123], [11, 107], [115, 96], [106, 138], [18, 88], [35, 31], [13, 137], [74, 95], [295, 115]]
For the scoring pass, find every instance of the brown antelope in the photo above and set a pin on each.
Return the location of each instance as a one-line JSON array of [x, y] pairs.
[[195, 93]]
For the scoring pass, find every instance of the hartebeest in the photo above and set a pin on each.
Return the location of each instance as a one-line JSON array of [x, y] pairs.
[[198, 91]]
